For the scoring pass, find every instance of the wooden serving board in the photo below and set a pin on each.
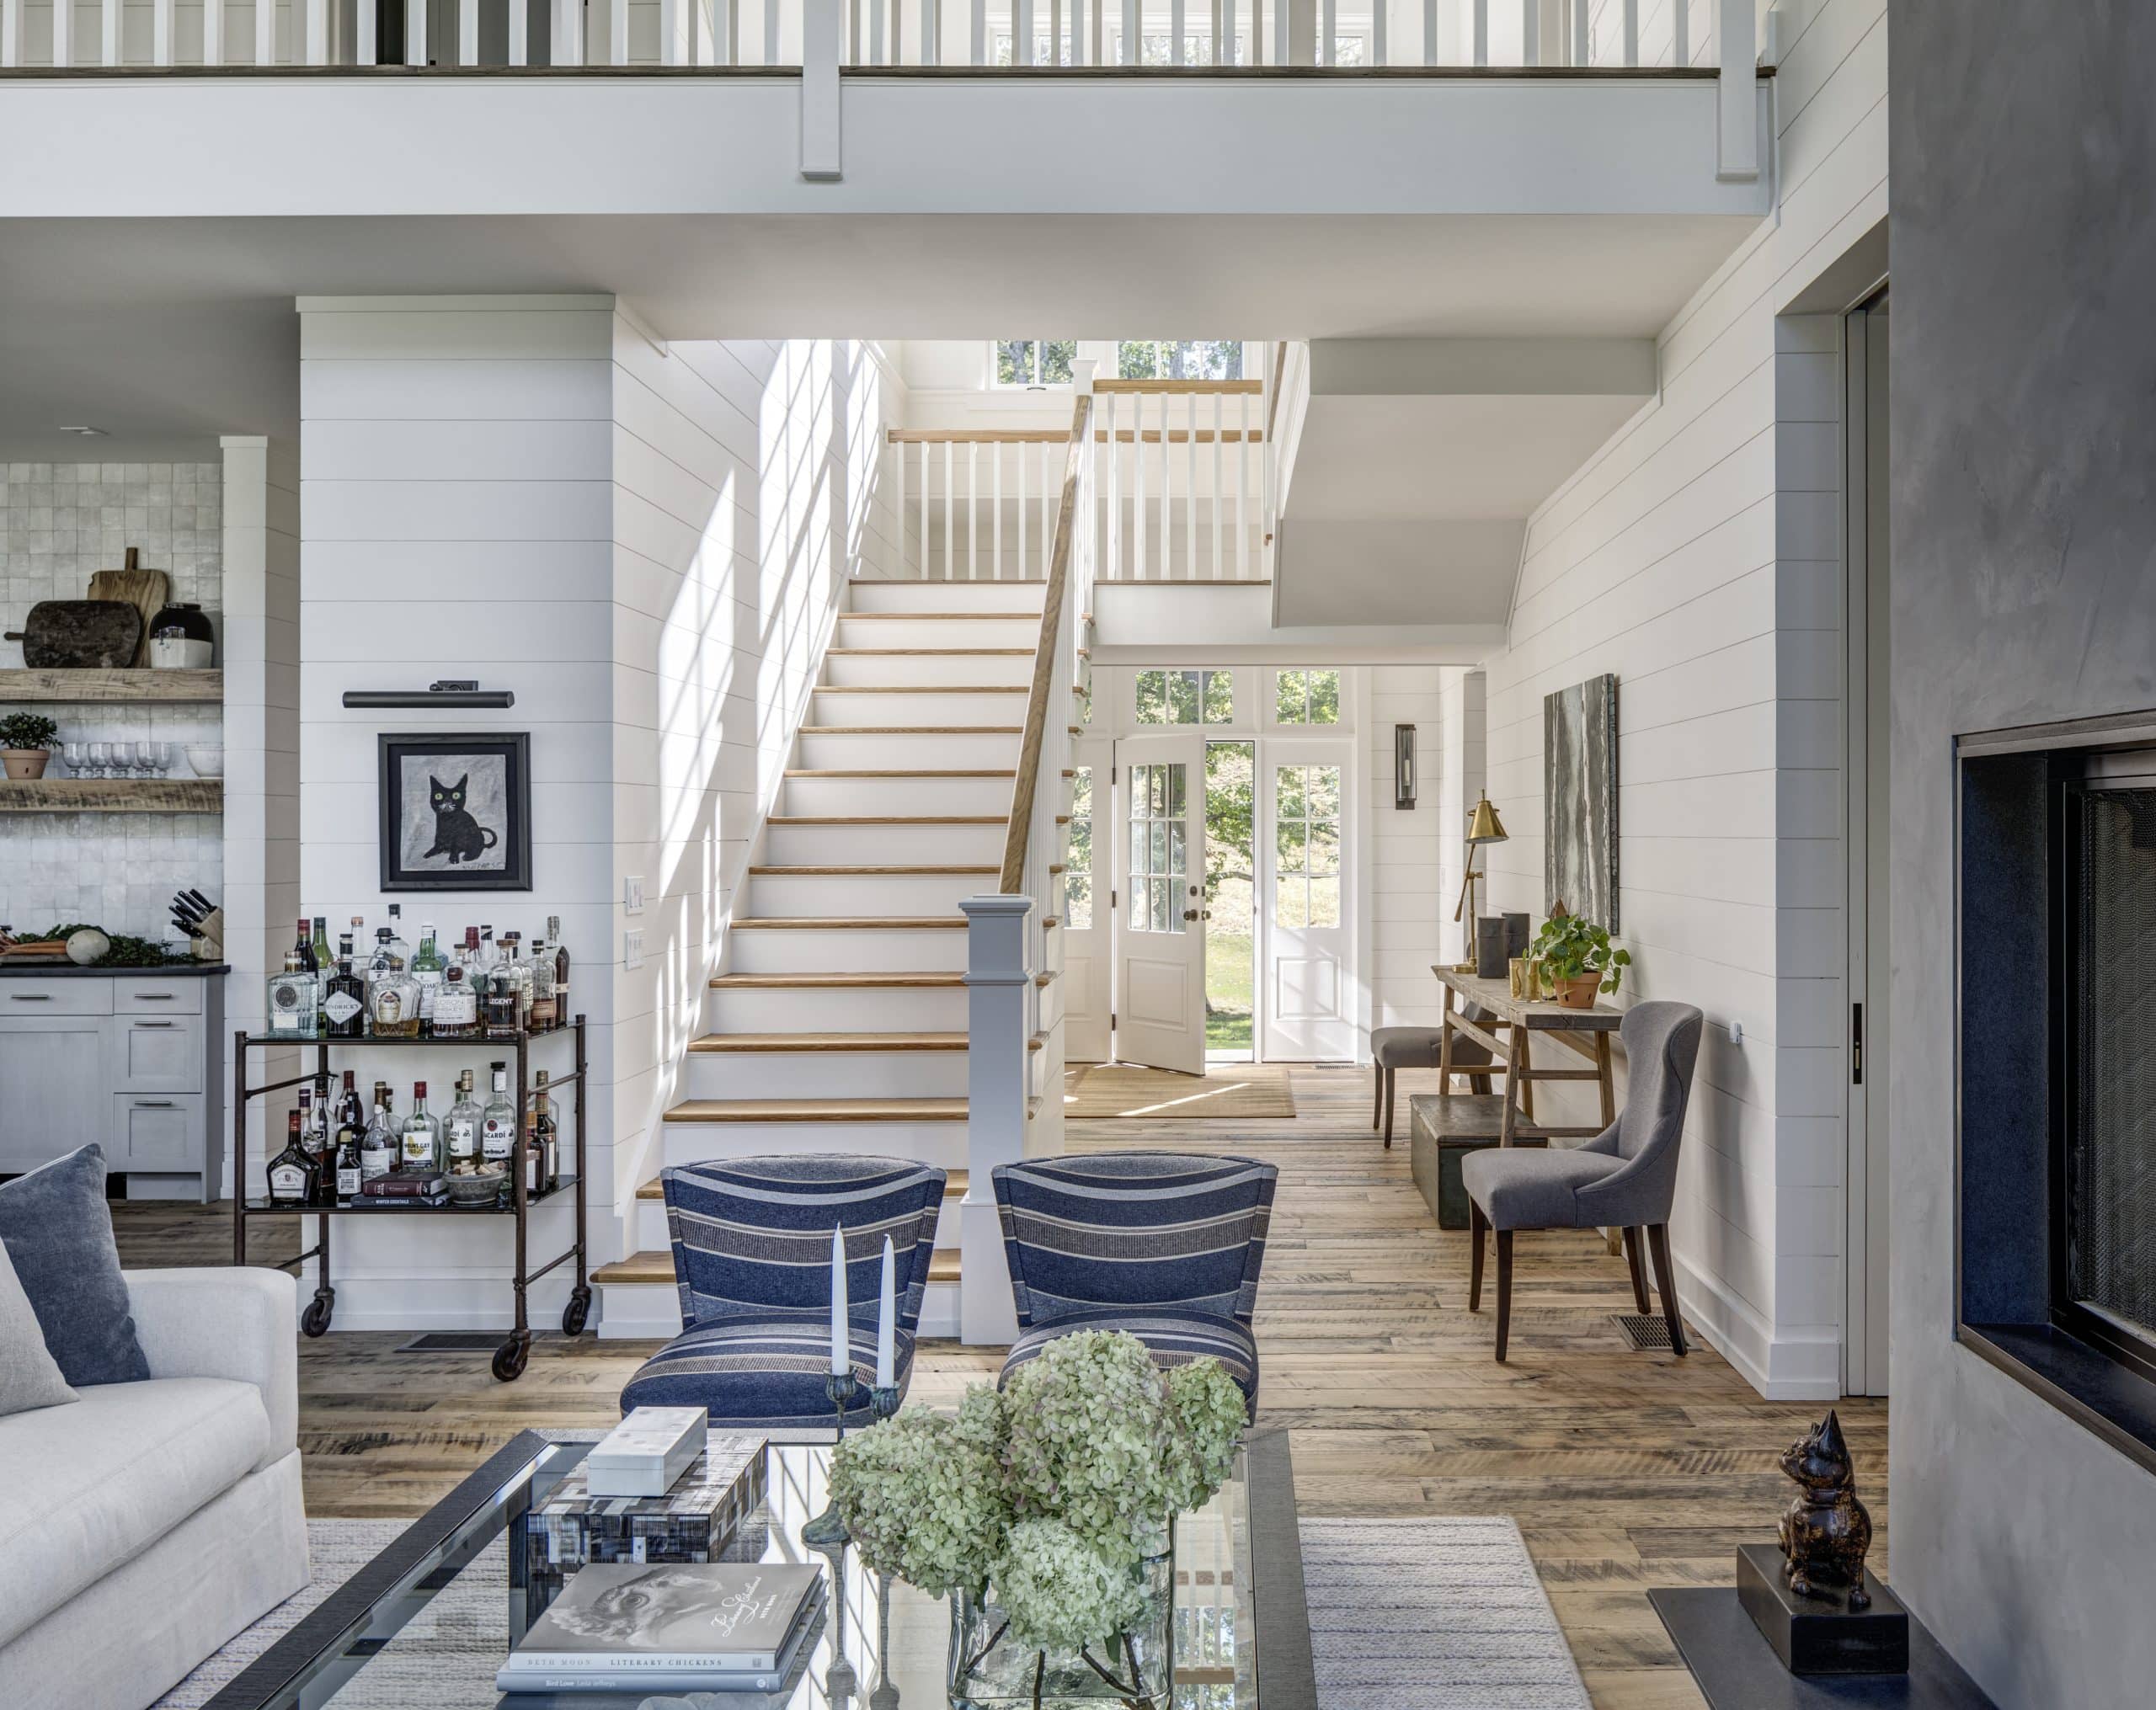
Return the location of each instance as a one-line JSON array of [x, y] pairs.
[[148, 591]]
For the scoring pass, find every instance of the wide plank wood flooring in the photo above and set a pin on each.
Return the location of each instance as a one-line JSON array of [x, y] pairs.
[[1625, 1470]]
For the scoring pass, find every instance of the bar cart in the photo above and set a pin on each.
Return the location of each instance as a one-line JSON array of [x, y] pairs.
[[510, 1356]]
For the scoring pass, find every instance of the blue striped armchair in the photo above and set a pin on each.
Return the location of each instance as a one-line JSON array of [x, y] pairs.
[[1165, 1245], [752, 1259]]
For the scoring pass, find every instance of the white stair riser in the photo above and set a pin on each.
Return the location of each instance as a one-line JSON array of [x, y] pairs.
[[947, 596], [882, 670], [813, 1074], [652, 1236], [838, 950], [859, 629], [883, 845], [942, 1145], [874, 707], [883, 750], [897, 795], [792, 895], [633, 1311], [838, 1009]]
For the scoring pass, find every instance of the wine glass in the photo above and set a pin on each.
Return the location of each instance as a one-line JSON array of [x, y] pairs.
[[100, 758], [158, 756], [123, 760], [72, 754]]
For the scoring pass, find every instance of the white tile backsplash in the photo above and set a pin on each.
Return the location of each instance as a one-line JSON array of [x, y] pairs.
[[60, 522]]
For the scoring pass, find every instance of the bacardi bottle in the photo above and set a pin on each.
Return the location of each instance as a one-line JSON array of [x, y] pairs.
[[498, 1123], [292, 1172]]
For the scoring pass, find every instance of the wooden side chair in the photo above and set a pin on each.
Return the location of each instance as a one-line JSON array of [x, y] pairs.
[[1625, 1177], [1395, 1048]]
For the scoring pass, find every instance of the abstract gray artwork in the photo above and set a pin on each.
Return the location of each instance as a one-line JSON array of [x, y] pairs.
[[1579, 800]]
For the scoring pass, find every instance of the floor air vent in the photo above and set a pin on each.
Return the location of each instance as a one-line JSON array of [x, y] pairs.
[[1644, 1330], [465, 1342]]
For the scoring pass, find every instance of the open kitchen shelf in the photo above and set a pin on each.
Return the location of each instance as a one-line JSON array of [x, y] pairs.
[[112, 796], [142, 683]]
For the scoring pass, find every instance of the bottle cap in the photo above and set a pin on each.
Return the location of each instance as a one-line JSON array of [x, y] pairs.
[[418, 1090]]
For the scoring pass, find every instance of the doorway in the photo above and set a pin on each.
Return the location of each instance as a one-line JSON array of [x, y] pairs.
[[1866, 678], [1231, 911]]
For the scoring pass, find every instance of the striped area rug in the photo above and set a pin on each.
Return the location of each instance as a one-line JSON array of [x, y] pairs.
[[1405, 1615]]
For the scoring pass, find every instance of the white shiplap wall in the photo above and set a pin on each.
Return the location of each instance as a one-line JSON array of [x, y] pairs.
[[1694, 555], [744, 495], [456, 502], [1410, 919]]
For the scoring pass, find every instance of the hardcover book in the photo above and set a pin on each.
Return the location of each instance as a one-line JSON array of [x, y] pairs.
[[675, 1621]]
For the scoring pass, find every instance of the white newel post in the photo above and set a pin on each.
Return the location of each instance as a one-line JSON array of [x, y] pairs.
[[1736, 44], [823, 31], [998, 989]]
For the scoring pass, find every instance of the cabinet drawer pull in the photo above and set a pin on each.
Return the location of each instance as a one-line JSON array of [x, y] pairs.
[[151, 997], [156, 1023], [153, 1103], [29, 997]]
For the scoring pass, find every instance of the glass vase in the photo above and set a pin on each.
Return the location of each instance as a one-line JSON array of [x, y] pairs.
[[1133, 1669]]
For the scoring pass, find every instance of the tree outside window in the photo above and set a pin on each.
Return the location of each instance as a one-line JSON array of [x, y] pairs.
[[1186, 697], [1034, 362], [1179, 358], [1307, 697]]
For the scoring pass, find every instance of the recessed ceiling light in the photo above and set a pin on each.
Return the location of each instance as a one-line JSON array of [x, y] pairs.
[[86, 432]]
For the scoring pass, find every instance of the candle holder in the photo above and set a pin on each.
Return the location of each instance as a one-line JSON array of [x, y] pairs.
[[826, 1533], [883, 1401]]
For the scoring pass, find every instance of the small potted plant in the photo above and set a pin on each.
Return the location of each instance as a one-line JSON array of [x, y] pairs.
[[1579, 959], [26, 743]]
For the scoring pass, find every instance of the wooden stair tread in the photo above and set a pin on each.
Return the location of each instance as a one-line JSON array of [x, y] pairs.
[[856, 922], [780, 981], [658, 1268], [928, 652], [922, 688], [846, 772], [912, 730], [940, 616], [866, 871], [818, 1110], [889, 819], [954, 1185], [728, 1044]]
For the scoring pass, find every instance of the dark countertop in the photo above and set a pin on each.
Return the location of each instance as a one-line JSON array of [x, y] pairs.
[[64, 970]]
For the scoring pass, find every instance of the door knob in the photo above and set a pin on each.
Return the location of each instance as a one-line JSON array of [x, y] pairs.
[[1190, 914]]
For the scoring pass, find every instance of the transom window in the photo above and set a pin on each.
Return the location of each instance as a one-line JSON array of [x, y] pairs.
[[1306, 845], [1179, 358], [1160, 861], [1078, 864], [1186, 697], [1307, 697], [1034, 362]]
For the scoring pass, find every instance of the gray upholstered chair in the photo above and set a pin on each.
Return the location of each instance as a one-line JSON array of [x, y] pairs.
[[1395, 1048], [1625, 1177]]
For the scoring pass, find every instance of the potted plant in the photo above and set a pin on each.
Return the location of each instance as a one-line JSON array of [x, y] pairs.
[[26, 743], [1580, 959]]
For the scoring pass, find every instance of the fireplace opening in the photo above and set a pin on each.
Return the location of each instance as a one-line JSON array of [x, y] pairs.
[[2055, 996]]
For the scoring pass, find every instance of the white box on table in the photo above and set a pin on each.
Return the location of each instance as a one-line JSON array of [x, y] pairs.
[[648, 1451]]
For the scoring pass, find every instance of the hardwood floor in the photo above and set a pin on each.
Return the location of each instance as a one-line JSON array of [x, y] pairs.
[[1625, 1470]]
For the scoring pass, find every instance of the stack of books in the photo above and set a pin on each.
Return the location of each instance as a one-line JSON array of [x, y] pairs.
[[684, 1626]]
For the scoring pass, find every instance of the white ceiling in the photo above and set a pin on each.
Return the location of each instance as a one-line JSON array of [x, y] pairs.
[[170, 332]]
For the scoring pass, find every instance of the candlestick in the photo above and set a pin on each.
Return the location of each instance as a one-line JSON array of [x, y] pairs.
[[886, 1326], [841, 1342]]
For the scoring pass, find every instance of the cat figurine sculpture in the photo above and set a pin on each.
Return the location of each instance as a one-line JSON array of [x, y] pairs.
[[457, 834], [1825, 1531]]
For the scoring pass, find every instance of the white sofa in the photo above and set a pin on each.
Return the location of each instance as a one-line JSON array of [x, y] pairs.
[[145, 1524]]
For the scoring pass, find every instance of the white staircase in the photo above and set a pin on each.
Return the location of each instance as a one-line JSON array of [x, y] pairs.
[[841, 1024]]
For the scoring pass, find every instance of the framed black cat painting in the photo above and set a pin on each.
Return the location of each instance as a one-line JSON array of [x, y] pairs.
[[456, 812]]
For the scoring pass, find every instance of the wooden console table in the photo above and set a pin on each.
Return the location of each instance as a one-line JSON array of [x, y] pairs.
[[1585, 1032]]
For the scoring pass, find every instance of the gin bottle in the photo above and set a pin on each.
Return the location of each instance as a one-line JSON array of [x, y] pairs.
[[292, 1000], [344, 1000]]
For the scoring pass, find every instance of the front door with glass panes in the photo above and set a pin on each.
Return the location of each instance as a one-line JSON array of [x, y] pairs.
[[1088, 875], [1159, 871], [1307, 1012]]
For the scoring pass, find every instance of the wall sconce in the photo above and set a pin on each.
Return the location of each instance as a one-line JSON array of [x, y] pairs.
[[449, 691], [1403, 766]]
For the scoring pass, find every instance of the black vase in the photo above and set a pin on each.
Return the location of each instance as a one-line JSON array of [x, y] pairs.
[[181, 638]]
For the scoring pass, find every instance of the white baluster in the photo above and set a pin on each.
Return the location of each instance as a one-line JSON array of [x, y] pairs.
[[1631, 32], [1134, 34], [950, 511], [1114, 557], [1055, 32], [1680, 32], [1530, 32], [1429, 32], [1381, 37], [415, 31], [1219, 484], [366, 32], [1242, 488], [617, 32], [1213, 46], [932, 32], [1138, 518], [1582, 42], [265, 34], [1021, 51], [973, 510], [12, 31], [900, 485], [160, 29], [467, 30], [927, 563], [996, 524], [999, 1033], [1328, 47], [1167, 488], [569, 33], [1175, 32], [980, 32], [1190, 488], [320, 52], [1021, 449], [63, 33], [1482, 56], [1737, 51], [726, 29], [1051, 490]]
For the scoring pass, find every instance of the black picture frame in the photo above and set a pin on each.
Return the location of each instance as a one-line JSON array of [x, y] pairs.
[[513, 838]]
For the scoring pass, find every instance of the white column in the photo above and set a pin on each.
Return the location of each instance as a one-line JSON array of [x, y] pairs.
[[1736, 41], [999, 987]]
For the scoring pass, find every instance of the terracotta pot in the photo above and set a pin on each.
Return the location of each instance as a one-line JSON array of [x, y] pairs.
[[1578, 991], [25, 763]]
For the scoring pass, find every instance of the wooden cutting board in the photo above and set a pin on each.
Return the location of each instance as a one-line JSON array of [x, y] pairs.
[[148, 591]]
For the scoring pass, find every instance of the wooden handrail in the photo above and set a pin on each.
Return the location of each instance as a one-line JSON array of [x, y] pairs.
[[1229, 386], [1024, 788], [1030, 436]]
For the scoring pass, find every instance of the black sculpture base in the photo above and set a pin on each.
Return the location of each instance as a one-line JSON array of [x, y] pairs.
[[1816, 1633]]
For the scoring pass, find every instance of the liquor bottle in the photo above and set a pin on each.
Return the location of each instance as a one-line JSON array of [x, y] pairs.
[[393, 1000], [497, 1122], [426, 972], [305, 946], [471, 953], [320, 947], [542, 1143], [291, 1001], [457, 1007], [544, 1013], [418, 1148], [498, 1005], [344, 998], [520, 967], [351, 1129], [319, 1134], [563, 1013], [460, 1128], [488, 955], [292, 1171], [387, 1101], [377, 1146], [398, 949]]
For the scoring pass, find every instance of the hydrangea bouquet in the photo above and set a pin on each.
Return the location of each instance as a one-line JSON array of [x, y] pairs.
[[1045, 1514]]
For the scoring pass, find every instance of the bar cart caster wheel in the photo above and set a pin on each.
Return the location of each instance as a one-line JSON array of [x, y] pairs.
[[577, 1313], [510, 1357], [316, 1319]]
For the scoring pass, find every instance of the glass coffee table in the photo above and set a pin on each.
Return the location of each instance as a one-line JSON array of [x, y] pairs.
[[425, 1624]]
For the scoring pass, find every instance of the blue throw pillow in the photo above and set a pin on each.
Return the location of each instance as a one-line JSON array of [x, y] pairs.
[[58, 1232]]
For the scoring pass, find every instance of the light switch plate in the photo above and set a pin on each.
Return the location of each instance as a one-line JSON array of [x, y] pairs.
[[632, 949], [632, 893]]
